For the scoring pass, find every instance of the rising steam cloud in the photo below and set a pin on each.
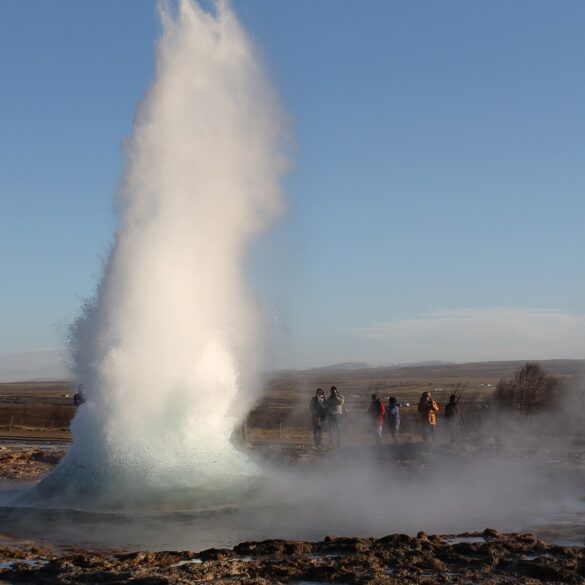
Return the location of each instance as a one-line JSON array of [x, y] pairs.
[[168, 349]]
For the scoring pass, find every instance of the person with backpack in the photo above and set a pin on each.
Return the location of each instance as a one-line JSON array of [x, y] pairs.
[[334, 413], [453, 417], [428, 409], [318, 407], [377, 411], [393, 417]]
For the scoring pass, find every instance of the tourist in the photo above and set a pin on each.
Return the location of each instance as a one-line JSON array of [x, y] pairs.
[[453, 417], [428, 409], [377, 411], [334, 413], [78, 397], [318, 408], [393, 417]]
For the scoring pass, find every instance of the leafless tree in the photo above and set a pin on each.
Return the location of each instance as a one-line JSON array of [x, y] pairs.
[[530, 390]]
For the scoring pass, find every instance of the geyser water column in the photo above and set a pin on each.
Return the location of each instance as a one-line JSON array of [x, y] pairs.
[[168, 349]]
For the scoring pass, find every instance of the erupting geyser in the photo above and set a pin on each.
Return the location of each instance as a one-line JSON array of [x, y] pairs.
[[168, 349]]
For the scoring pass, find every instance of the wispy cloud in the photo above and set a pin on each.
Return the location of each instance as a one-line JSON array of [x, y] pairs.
[[481, 334], [44, 364]]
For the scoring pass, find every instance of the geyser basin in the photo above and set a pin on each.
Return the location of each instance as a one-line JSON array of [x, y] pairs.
[[169, 348], [353, 497]]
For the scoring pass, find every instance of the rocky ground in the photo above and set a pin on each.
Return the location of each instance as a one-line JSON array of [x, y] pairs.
[[487, 557], [24, 463]]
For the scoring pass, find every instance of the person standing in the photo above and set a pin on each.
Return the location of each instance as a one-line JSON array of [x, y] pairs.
[[78, 397], [453, 417], [334, 413], [428, 409], [393, 417], [377, 411], [318, 406]]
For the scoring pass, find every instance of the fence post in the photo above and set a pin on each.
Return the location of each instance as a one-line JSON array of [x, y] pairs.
[[11, 421], [280, 431]]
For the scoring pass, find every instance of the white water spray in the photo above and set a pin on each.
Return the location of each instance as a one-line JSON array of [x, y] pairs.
[[169, 348]]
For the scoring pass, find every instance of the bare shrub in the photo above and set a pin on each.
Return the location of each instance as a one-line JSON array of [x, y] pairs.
[[531, 390]]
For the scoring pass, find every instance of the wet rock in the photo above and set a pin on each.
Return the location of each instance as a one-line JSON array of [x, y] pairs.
[[398, 540], [273, 547], [491, 533], [527, 538], [216, 554], [347, 545]]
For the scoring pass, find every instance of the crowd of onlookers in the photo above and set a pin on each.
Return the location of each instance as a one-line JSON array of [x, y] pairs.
[[330, 410]]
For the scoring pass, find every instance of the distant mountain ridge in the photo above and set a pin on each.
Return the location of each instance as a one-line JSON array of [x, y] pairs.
[[344, 366], [421, 364], [365, 365], [495, 369]]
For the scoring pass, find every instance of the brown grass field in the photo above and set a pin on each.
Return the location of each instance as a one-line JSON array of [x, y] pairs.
[[43, 410]]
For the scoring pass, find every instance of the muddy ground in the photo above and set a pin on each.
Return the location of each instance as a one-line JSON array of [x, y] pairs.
[[486, 557]]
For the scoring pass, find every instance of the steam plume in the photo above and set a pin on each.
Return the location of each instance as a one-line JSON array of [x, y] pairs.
[[169, 347]]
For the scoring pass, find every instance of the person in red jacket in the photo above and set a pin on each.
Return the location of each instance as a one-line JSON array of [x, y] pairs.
[[377, 412]]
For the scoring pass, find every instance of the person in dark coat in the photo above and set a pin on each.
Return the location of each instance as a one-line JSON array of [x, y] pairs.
[[393, 417], [78, 397], [318, 407], [453, 417]]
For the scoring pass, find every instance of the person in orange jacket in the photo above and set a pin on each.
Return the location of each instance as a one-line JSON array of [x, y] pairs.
[[428, 409]]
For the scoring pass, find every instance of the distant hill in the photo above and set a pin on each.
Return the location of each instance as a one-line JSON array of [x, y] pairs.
[[422, 364], [432, 369], [343, 366], [364, 365]]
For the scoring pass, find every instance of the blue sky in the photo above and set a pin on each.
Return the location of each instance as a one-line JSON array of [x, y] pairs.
[[435, 208]]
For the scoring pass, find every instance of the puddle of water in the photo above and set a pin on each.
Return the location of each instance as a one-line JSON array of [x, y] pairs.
[[534, 557], [188, 562], [310, 583], [461, 539], [561, 523], [29, 562]]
